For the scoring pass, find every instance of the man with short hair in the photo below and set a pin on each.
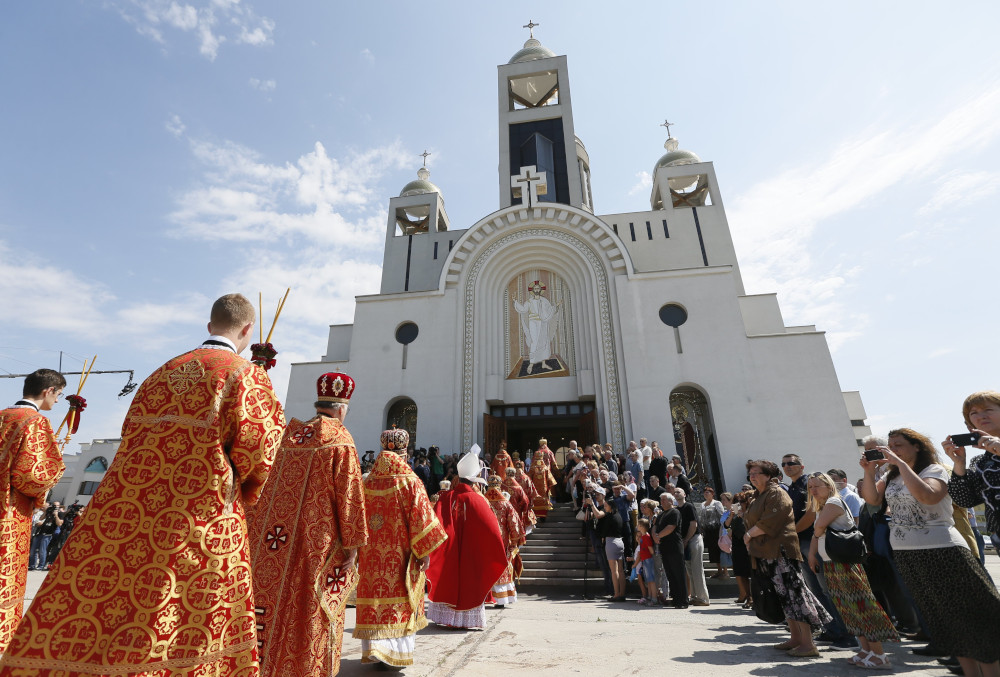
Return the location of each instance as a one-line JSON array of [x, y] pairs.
[[694, 549], [304, 535], [667, 535], [646, 451], [797, 488], [850, 498], [163, 543], [677, 478], [402, 532], [30, 465], [655, 490]]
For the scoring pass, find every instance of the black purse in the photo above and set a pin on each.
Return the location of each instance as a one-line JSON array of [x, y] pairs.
[[846, 547], [766, 603]]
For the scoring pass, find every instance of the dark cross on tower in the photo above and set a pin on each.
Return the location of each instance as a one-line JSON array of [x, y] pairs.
[[425, 154], [668, 124], [531, 26]]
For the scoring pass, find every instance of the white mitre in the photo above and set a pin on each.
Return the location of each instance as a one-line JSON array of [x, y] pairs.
[[468, 468]]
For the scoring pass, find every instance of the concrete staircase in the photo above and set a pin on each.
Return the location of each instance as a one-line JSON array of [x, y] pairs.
[[555, 553]]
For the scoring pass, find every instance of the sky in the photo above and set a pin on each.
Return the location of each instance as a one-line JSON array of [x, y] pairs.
[[157, 154]]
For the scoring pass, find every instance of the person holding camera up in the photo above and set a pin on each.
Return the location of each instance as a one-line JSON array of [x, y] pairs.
[[608, 533], [975, 483], [956, 598]]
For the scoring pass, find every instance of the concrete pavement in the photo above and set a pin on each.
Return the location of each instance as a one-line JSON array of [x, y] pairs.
[[567, 635]]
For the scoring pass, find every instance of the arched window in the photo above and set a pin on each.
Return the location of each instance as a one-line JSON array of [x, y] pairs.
[[694, 437], [99, 464], [403, 414]]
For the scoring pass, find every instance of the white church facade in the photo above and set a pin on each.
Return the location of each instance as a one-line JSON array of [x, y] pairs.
[[544, 319]]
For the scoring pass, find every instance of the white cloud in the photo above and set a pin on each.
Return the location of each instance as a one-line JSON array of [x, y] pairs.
[[263, 85], [958, 189], [940, 352], [175, 126], [320, 198], [644, 181], [40, 295], [774, 220], [367, 55], [213, 22]]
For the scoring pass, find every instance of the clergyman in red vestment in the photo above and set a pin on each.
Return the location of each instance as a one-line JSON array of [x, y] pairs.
[[304, 535], [30, 465], [502, 461], [402, 533], [464, 569], [512, 532], [154, 579], [543, 482], [519, 500]]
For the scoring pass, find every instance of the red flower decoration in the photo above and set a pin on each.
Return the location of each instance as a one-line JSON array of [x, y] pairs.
[[76, 405], [263, 354]]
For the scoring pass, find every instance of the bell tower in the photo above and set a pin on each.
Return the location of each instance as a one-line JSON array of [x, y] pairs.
[[536, 130]]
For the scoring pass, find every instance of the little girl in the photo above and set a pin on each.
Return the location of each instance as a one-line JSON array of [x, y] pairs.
[[644, 563]]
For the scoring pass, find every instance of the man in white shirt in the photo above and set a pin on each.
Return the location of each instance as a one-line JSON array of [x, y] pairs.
[[851, 498]]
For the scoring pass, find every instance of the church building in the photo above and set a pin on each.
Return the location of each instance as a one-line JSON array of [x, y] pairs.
[[544, 319]]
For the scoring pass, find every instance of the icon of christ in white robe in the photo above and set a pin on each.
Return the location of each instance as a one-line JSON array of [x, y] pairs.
[[537, 315]]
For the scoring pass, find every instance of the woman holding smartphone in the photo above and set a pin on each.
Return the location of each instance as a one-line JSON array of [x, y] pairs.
[[955, 597]]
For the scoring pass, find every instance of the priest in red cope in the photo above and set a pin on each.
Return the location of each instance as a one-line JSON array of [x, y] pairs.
[[462, 571], [305, 532]]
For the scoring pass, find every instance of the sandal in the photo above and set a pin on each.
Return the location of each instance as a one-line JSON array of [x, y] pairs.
[[858, 657], [869, 663], [799, 652]]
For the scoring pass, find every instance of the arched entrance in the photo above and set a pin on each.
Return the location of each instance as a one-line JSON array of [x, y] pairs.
[[403, 414], [694, 439]]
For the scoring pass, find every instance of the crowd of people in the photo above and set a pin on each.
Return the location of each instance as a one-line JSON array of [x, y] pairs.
[[223, 540]]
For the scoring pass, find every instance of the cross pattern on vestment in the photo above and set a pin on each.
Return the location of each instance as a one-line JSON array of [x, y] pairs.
[[301, 436], [528, 185], [81, 635], [276, 538], [337, 580]]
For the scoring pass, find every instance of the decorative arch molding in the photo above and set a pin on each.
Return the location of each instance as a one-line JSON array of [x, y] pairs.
[[597, 258], [562, 217]]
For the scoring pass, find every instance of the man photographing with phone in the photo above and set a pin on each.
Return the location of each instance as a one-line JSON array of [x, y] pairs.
[[974, 483]]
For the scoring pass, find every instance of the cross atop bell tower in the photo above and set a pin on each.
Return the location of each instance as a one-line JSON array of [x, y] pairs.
[[536, 130]]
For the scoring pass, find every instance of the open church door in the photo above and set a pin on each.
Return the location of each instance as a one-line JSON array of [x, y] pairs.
[[494, 432], [587, 429]]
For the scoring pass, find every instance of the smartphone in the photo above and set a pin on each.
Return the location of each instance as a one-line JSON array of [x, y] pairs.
[[965, 439], [874, 454]]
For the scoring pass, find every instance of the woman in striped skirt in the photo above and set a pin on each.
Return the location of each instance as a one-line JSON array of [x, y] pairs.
[[848, 584]]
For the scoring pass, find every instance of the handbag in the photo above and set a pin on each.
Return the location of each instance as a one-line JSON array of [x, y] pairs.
[[766, 603], [582, 515], [725, 541], [846, 547]]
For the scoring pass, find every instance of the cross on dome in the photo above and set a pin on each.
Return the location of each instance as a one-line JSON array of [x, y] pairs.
[[668, 124], [531, 26], [424, 156]]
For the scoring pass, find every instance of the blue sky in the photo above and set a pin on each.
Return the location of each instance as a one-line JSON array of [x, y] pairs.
[[157, 154]]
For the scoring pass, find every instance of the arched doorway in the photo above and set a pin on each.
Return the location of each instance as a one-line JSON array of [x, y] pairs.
[[403, 414], [694, 438]]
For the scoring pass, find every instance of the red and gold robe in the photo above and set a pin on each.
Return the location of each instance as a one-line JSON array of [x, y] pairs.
[[463, 571], [545, 455], [522, 506], [501, 462], [30, 465], [312, 509], [543, 482], [402, 528], [512, 533], [154, 579]]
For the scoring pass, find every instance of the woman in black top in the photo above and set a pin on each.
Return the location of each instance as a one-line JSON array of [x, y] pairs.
[[609, 528]]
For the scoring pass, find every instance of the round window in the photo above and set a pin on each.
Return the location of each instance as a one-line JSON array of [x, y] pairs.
[[673, 315], [406, 333]]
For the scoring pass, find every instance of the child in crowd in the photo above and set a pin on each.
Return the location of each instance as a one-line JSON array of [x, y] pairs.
[[644, 563]]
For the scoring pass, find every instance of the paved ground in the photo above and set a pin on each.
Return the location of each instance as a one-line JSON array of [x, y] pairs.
[[569, 635]]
